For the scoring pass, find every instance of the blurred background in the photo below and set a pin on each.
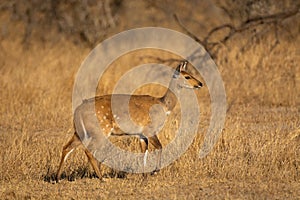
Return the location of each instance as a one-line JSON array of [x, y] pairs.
[[255, 44]]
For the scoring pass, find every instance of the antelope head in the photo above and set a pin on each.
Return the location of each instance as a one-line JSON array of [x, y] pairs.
[[186, 80]]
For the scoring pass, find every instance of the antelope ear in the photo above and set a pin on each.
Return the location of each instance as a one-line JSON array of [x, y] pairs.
[[184, 65], [178, 68], [181, 66]]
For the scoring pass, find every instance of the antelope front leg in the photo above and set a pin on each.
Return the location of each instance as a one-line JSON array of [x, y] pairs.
[[157, 145], [144, 148]]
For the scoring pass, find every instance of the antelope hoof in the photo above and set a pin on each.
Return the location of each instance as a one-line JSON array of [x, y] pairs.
[[103, 180], [56, 180], [155, 172]]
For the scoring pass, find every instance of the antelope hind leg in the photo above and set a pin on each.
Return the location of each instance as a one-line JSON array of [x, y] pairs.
[[67, 150], [95, 164]]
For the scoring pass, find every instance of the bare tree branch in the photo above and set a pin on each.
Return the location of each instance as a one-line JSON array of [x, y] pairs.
[[250, 23]]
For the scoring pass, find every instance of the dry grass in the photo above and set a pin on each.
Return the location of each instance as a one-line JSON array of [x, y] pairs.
[[256, 157]]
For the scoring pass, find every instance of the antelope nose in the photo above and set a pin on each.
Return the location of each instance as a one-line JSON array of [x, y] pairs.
[[199, 85]]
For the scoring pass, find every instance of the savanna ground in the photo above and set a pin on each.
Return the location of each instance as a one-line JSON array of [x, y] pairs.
[[256, 157]]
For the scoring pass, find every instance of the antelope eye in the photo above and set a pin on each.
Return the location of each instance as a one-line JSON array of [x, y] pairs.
[[187, 77]]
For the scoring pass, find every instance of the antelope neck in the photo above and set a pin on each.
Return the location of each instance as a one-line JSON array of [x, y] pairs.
[[170, 99]]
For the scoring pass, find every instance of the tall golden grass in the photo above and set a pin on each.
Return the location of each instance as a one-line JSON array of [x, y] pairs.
[[256, 157]]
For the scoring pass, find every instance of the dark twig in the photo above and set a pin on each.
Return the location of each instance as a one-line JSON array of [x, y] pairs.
[[186, 30], [160, 60], [229, 26]]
